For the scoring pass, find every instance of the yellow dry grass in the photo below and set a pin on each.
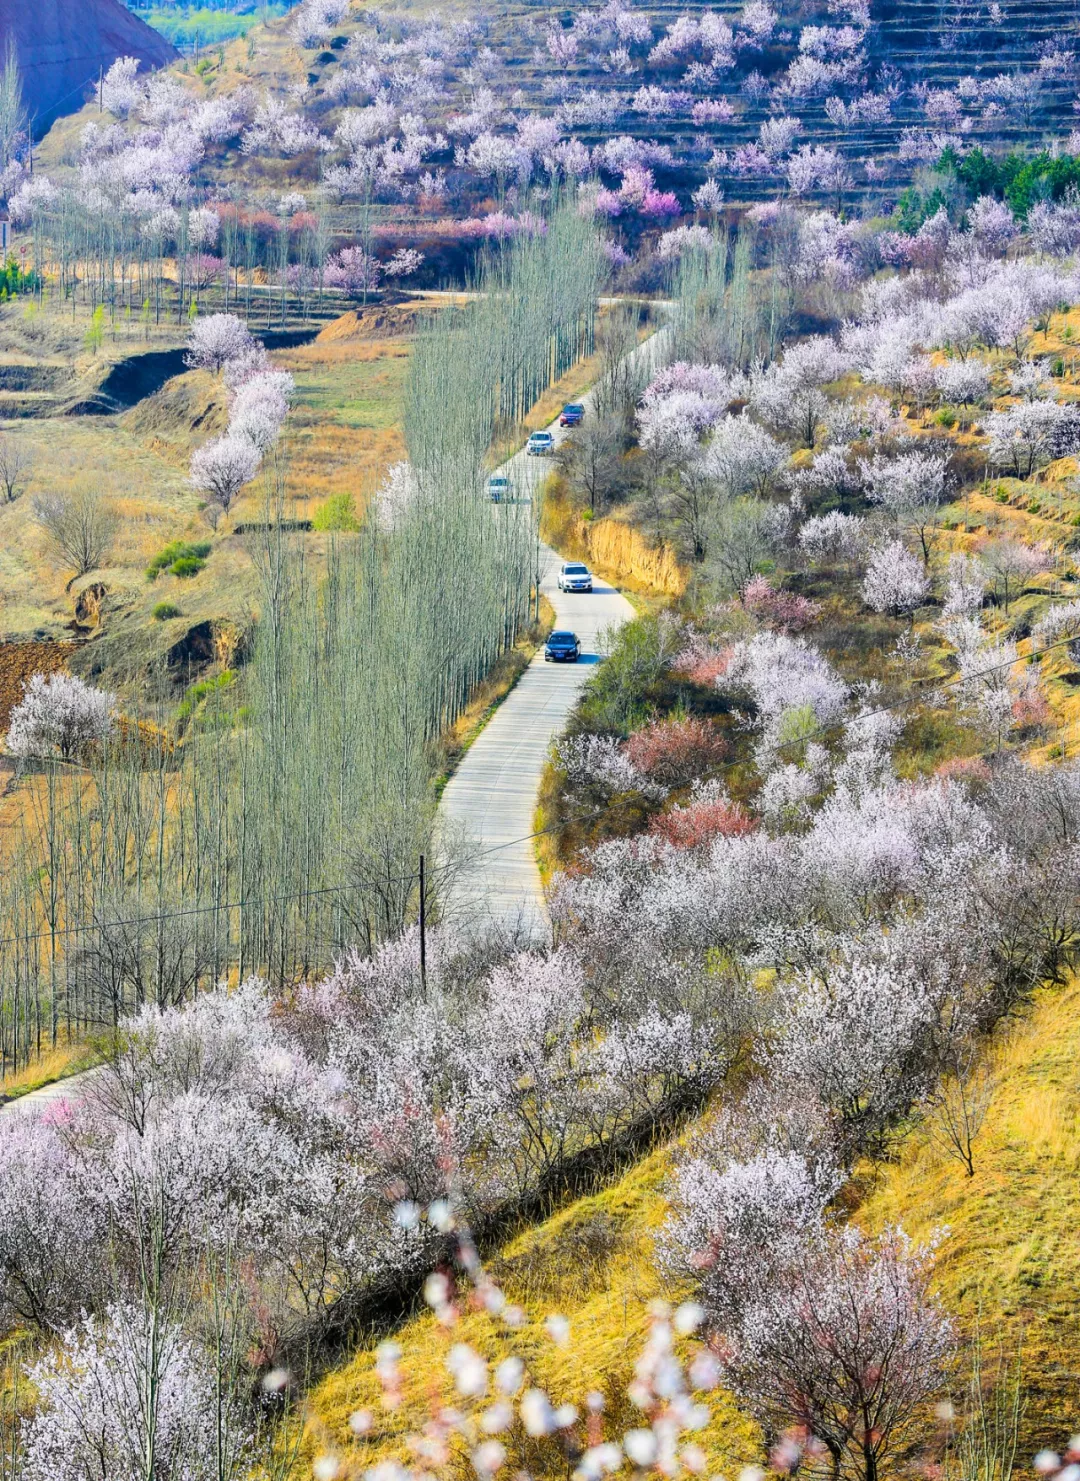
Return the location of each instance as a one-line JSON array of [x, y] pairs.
[[345, 427], [53, 1064], [613, 545], [1010, 1251], [593, 1263]]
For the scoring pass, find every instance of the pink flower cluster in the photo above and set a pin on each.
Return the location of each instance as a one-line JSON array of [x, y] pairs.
[[783, 610]]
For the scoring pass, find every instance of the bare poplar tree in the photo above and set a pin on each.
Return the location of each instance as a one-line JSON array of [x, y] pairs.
[[15, 465], [590, 460], [80, 528], [12, 114]]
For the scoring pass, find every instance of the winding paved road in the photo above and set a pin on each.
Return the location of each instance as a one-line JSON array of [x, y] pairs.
[[490, 801]]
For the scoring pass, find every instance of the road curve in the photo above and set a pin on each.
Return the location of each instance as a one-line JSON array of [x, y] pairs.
[[490, 801]]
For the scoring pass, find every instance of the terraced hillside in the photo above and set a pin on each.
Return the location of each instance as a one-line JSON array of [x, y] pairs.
[[431, 119], [914, 48]]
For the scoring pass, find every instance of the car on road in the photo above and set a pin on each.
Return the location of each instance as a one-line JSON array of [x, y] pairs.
[[500, 488], [562, 647], [573, 576], [540, 445], [573, 414]]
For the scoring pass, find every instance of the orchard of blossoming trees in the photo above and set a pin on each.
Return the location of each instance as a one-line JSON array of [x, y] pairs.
[[454, 120], [779, 909], [810, 929]]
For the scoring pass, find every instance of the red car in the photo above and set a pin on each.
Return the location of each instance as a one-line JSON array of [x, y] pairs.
[[572, 415]]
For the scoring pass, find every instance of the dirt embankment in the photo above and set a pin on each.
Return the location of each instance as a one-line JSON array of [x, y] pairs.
[[19, 662], [612, 545]]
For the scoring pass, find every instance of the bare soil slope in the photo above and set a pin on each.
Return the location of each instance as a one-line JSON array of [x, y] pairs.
[[62, 45]]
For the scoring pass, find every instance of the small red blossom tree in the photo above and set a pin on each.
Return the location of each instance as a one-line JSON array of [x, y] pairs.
[[780, 609], [700, 822], [677, 752]]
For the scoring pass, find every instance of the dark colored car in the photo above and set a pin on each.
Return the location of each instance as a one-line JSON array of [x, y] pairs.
[[562, 648], [573, 415]]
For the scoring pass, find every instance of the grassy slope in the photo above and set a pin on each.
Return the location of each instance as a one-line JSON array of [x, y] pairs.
[[592, 1263], [1011, 1250]]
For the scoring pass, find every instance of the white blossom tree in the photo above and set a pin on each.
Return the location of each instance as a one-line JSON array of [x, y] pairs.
[[222, 467], [217, 340], [895, 581], [59, 715], [909, 488], [128, 1396], [846, 1345], [1029, 434]]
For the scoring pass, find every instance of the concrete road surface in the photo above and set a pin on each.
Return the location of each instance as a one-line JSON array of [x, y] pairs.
[[36, 1101], [490, 801]]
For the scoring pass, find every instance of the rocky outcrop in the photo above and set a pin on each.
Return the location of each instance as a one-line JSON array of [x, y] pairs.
[[63, 45]]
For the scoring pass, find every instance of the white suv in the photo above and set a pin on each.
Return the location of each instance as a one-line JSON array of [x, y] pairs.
[[573, 576]]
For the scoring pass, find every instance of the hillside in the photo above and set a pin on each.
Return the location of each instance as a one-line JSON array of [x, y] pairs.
[[62, 50], [433, 123], [1007, 1268], [1008, 1251]]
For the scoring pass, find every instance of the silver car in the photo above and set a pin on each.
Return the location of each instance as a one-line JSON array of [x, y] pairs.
[[540, 445], [573, 576]]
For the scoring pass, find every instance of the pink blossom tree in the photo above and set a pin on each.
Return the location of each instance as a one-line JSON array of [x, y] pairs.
[[845, 1345], [355, 272]]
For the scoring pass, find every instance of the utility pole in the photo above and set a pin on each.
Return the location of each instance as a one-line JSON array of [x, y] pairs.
[[423, 931]]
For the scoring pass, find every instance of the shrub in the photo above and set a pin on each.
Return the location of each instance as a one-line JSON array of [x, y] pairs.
[[336, 514], [181, 558], [965, 769], [946, 417], [620, 690], [677, 752], [203, 690], [164, 610], [699, 823]]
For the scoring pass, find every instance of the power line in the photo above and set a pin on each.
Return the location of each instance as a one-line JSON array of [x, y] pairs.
[[583, 816], [821, 730]]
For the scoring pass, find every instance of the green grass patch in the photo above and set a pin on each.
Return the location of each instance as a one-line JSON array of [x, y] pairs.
[[164, 610], [204, 25], [205, 689], [336, 514], [179, 558]]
